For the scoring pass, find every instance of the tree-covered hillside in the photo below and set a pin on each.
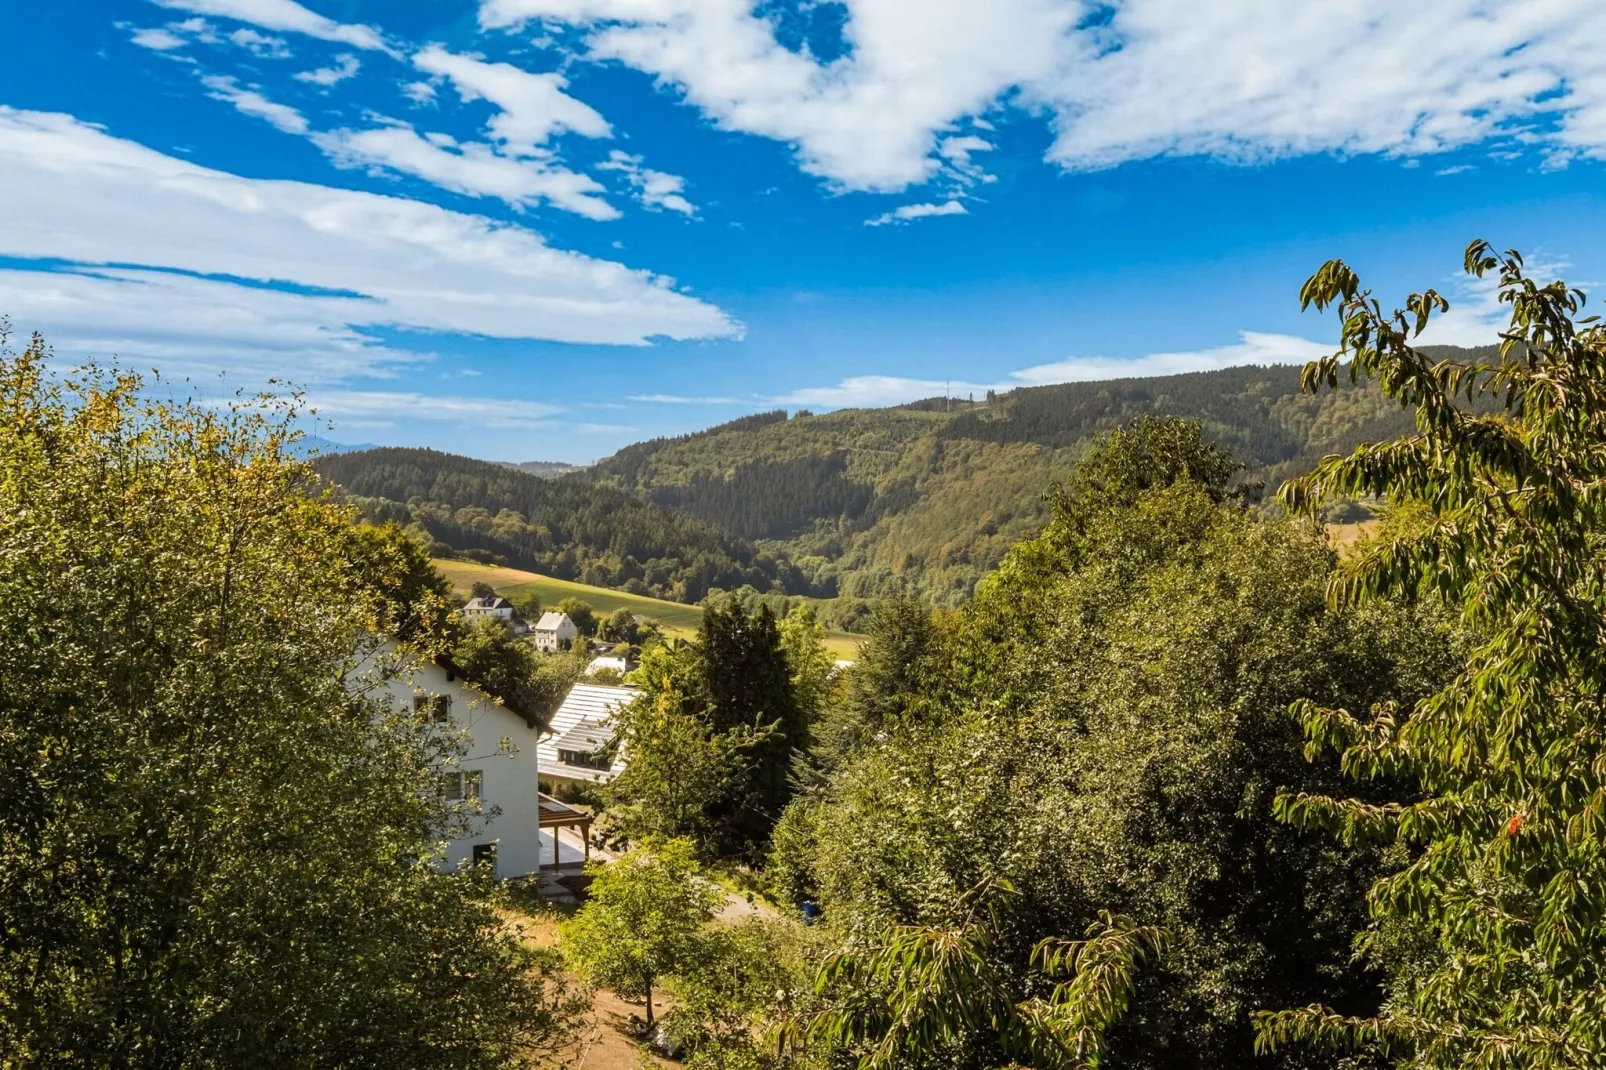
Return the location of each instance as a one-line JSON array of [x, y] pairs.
[[864, 501], [563, 527]]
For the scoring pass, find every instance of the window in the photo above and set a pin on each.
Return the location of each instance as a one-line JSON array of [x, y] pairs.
[[461, 787], [485, 854], [436, 708], [585, 759]]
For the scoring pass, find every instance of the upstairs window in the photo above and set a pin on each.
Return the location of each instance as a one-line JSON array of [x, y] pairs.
[[434, 708]]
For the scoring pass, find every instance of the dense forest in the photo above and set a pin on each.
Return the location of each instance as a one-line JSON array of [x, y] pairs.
[[564, 528], [931, 495]]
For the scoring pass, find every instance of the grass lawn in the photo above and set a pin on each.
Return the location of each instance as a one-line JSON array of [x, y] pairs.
[[675, 618]]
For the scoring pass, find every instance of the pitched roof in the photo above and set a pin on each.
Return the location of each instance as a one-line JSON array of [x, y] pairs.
[[495, 601], [551, 620], [619, 665], [591, 705], [587, 737]]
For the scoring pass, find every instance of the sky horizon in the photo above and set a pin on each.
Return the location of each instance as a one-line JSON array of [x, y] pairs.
[[544, 229]]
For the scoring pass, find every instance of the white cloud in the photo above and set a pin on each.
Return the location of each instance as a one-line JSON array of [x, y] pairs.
[[285, 16], [384, 408], [158, 39], [260, 44], [347, 265], [1238, 80], [253, 103], [655, 189], [419, 92], [1460, 168], [1252, 348], [531, 107], [908, 213], [470, 168], [346, 66], [680, 399]]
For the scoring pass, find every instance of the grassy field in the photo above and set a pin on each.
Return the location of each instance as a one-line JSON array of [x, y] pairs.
[[675, 618]]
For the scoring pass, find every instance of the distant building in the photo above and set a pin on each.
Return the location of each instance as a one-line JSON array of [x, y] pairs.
[[554, 631], [494, 607], [618, 665], [580, 735]]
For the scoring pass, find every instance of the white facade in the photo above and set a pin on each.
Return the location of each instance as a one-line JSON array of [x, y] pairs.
[[583, 727], [618, 665], [554, 631], [508, 784]]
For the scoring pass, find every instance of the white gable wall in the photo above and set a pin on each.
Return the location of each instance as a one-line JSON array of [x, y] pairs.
[[509, 784]]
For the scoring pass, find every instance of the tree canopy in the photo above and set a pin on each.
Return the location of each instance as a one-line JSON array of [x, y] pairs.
[[214, 849]]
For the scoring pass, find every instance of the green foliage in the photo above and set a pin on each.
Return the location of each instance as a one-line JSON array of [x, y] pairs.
[[580, 614], [558, 526], [683, 773], [213, 850], [481, 589], [620, 626], [1501, 774], [528, 683], [643, 919], [1105, 729], [753, 977], [921, 995]]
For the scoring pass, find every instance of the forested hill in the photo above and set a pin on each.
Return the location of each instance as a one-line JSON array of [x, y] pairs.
[[864, 500], [563, 527]]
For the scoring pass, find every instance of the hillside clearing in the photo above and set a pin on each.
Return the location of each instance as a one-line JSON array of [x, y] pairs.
[[675, 618]]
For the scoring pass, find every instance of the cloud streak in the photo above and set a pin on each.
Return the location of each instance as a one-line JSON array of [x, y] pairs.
[[285, 278]]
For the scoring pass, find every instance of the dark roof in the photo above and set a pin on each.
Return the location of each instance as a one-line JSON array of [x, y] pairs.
[[493, 602]]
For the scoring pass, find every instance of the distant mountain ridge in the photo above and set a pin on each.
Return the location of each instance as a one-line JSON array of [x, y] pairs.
[[561, 527], [852, 504], [928, 496]]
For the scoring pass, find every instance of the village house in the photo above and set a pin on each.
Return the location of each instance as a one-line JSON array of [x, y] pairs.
[[554, 632], [512, 825], [494, 607], [577, 745]]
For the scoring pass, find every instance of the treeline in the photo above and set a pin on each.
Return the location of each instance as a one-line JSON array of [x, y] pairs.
[[560, 527]]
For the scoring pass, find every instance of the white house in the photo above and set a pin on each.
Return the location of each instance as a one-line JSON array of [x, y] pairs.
[[494, 607], [507, 830], [618, 665], [574, 748], [554, 631]]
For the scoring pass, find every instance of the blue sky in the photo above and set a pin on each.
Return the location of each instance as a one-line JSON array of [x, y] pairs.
[[542, 229]]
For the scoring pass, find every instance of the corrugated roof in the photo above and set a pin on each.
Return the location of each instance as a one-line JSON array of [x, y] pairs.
[[591, 704], [587, 737]]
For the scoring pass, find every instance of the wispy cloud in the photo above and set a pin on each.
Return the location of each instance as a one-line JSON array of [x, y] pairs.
[[348, 266], [377, 408], [158, 39], [249, 101], [910, 212], [654, 189], [1252, 348], [283, 16], [681, 399], [346, 66]]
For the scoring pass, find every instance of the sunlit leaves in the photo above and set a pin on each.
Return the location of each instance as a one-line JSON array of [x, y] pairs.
[[1508, 870]]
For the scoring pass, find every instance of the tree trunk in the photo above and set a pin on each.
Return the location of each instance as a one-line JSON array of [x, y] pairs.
[[649, 1005]]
